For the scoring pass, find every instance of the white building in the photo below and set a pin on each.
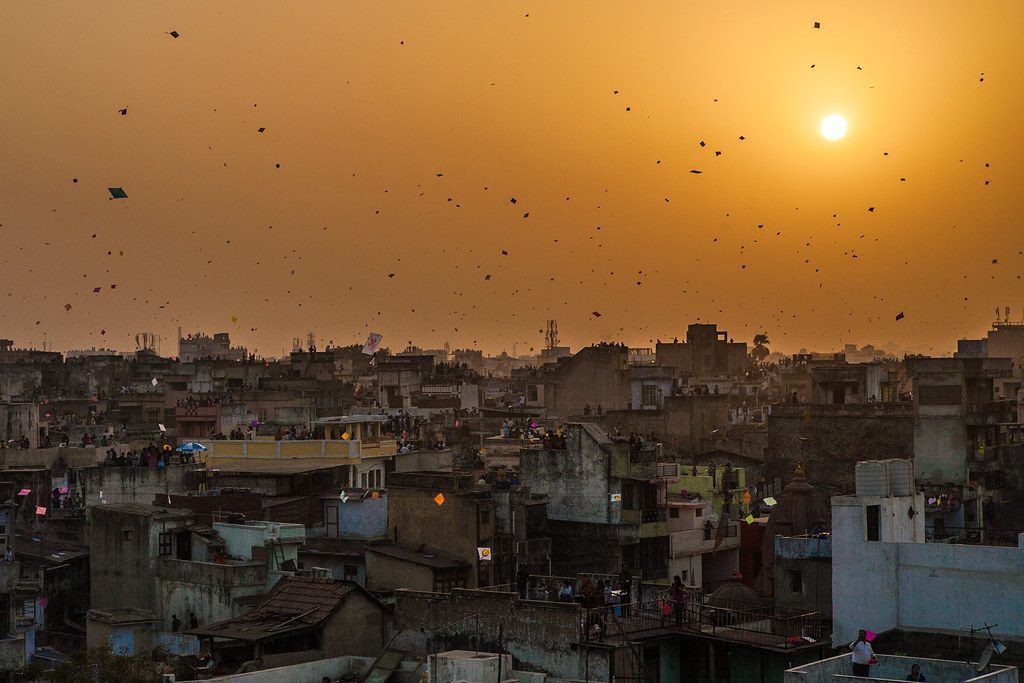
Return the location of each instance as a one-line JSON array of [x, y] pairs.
[[886, 577], [703, 549]]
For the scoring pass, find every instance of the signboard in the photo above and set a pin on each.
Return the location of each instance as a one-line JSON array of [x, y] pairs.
[[616, 497], [483, 554]]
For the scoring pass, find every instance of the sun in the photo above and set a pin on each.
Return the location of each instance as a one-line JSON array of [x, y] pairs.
[[833, 126]]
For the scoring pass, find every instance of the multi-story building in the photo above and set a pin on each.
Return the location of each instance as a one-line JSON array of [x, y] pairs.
[[605, 502], [451, 513]]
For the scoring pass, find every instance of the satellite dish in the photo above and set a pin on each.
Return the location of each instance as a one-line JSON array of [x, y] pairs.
[[986, 655]]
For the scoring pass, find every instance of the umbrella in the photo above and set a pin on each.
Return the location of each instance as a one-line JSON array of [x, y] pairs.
[[190, 447]]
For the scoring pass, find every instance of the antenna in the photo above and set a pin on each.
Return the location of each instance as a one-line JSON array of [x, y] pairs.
[[551, 337], [991, 648]]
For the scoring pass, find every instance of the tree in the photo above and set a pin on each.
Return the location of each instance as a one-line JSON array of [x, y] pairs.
[[760, 350]]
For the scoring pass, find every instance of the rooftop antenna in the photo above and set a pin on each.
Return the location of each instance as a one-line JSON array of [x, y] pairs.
[[551, 337], [993, 647]]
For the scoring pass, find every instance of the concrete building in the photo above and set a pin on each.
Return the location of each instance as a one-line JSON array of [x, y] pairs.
[[596, 376], [706, 351], [853, 383], [605, 505], [452, 513], [199, 345], [399, 377], [157, 559], [302, 619], [886, 577], [896, 668], [703, 548], [126, 542], [390, 566], [803, 572]]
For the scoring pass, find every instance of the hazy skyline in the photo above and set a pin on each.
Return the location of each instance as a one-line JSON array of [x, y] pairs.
[[402, 132]]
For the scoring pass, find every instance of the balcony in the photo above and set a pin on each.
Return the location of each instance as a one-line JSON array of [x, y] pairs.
[[699, 541], [803, 547], [336, 451], [634, 466], [1007, 538]]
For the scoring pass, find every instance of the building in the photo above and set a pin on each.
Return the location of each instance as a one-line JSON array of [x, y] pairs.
[[199, 345], [391, 566], [803, 572], [399, 377], [596, 376], [896, 668], [880, 549], [450, 513], [802, 510], [605, 502], [303, 618], [703, 548], [706, 351], [959, 424], [126, 542], [158, 559]]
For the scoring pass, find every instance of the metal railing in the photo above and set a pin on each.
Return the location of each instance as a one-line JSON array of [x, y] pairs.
[[731, 531], [968, 536]]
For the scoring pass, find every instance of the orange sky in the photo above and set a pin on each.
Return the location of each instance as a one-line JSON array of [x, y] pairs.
[[509, 100]]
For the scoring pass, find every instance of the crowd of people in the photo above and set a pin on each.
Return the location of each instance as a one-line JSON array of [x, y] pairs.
[[150, 456]]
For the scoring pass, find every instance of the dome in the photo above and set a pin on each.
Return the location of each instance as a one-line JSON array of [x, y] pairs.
[[733, 595]]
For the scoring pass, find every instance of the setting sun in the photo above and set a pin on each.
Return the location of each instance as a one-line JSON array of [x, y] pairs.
[[833, 126]]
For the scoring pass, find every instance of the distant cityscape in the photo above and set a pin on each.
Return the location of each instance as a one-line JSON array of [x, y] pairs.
[[705, 509]]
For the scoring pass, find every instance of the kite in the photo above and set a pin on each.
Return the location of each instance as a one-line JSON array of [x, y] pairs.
[[117, 193]]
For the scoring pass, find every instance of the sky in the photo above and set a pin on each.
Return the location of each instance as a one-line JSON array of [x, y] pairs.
[[396, 135]]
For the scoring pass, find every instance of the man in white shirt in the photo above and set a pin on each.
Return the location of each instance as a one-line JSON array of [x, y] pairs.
[[862, 655]]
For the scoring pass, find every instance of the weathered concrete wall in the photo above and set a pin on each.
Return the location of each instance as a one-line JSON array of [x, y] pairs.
[[359, 628], [456, 528], [595, 376], [686, 420], [205, 588], [576, 480], [18, 420], [363, 519], [830, 440], [50, 457], [386, 573], [544, 636], [122, 567], [132, 484]]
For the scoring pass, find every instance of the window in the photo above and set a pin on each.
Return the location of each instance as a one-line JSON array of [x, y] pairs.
[[796, 581], [350, 572], [485, 517], [26, 608], [166, 540], [531, 393], [650, 396], [874, 514], [699, 512], [673, 513], [127, 534], [371, 479]]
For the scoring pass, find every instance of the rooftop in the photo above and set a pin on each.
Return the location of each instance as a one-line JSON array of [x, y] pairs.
[[141, 509], [121, 615], [350, 419], [424, 556], [267, 466], [53, 550], [296, 603], [896, 668]]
